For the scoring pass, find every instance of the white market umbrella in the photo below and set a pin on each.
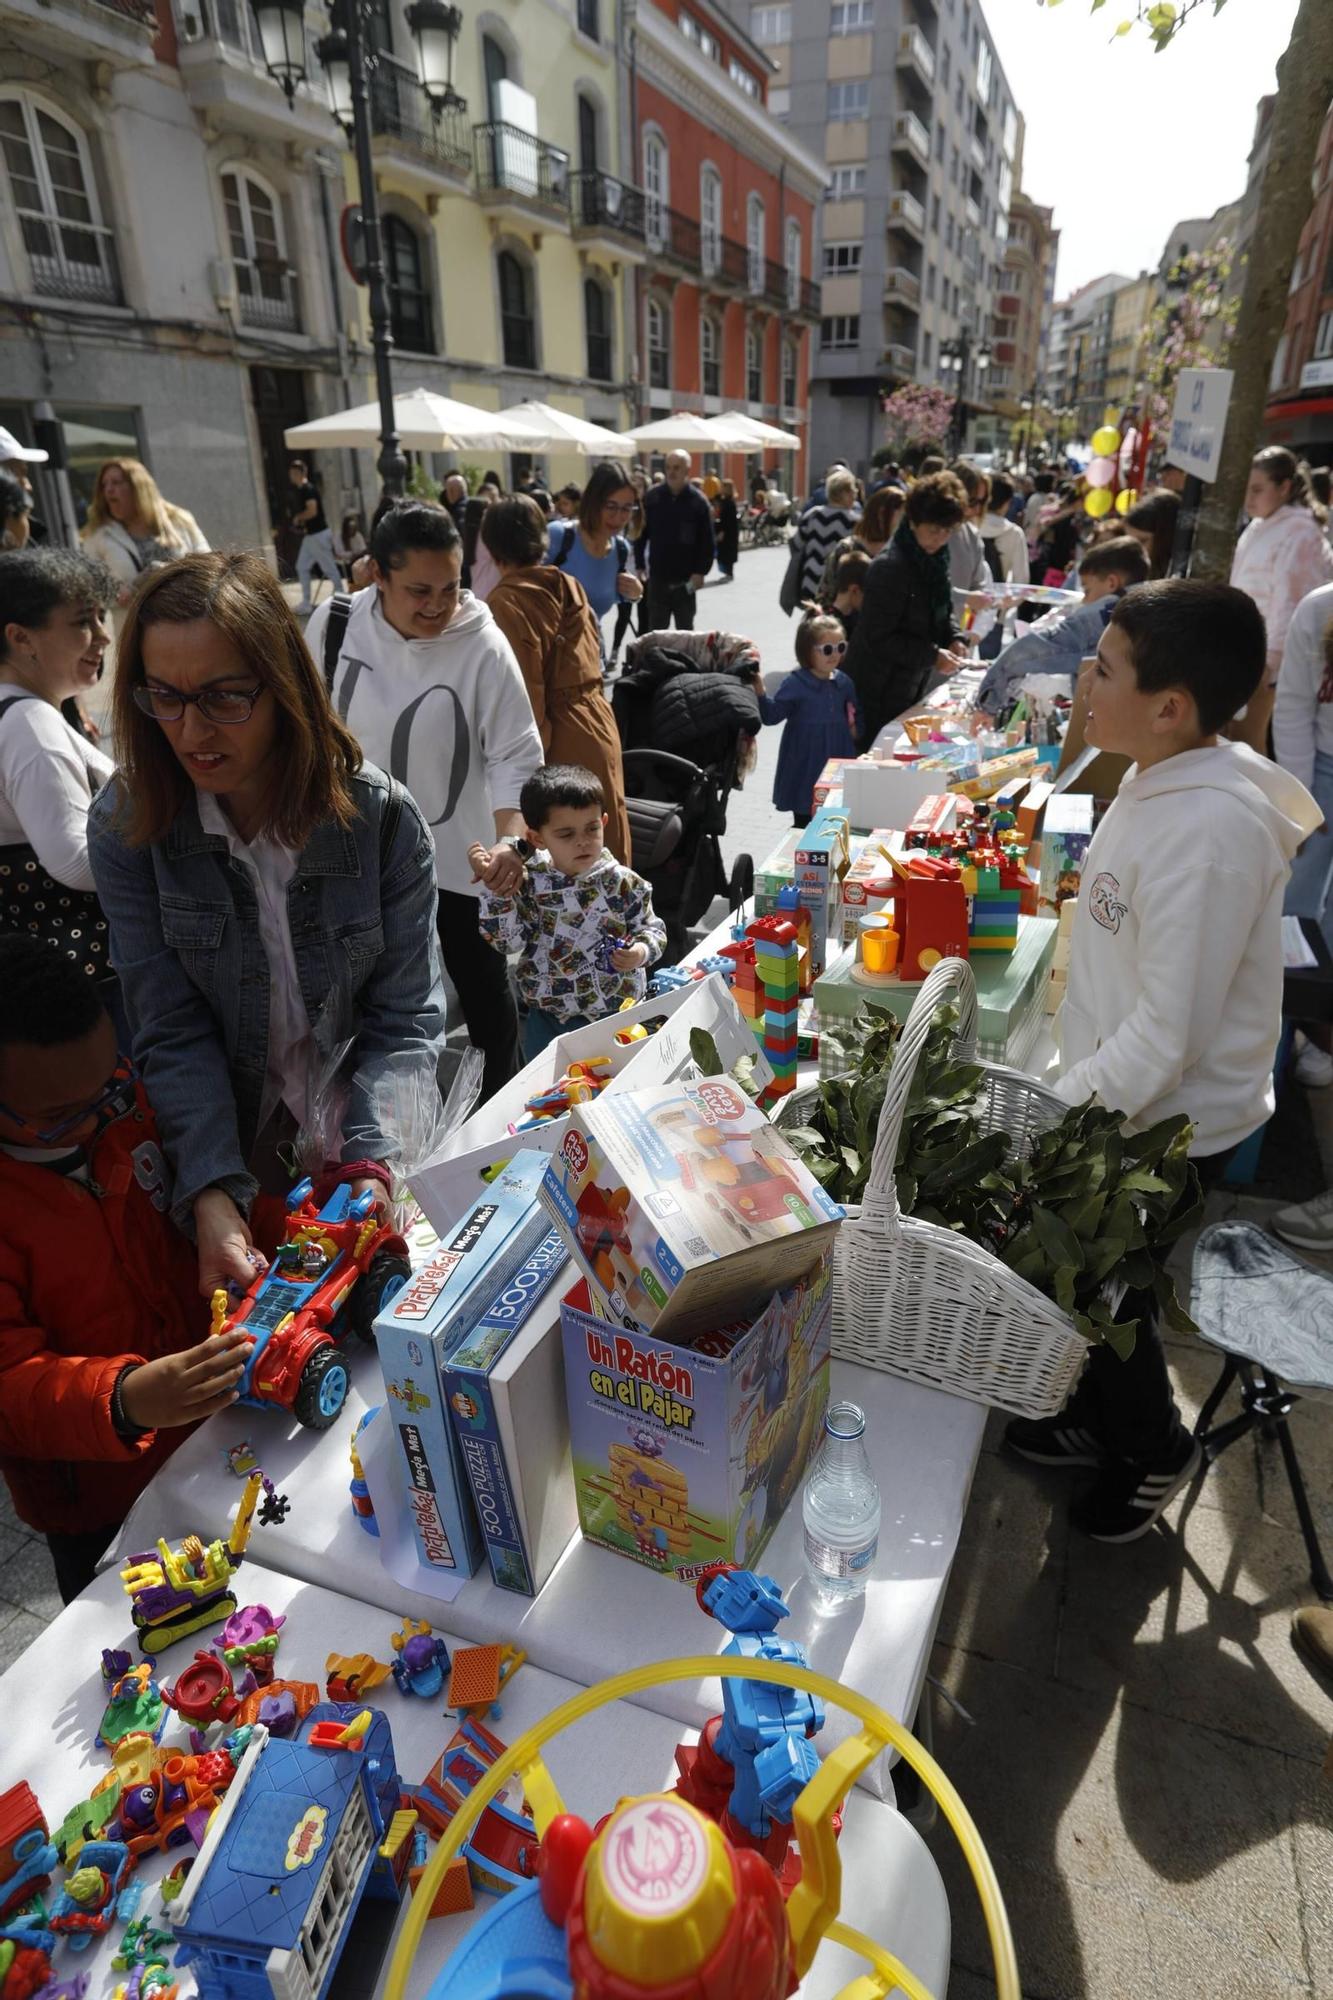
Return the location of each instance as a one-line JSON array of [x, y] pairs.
[[678, 433], [575, 433], [424, 422], [749, 434]]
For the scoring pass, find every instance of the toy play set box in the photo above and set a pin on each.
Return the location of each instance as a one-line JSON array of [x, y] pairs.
[[686, 1453], [419, 1331], [684, 1206], [505, 1390]]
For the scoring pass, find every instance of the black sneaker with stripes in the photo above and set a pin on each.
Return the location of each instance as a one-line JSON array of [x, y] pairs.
[[1058, 1440], [1128, 1498]]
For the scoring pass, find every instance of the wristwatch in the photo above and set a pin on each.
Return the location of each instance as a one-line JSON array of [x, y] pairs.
[[524, 849]]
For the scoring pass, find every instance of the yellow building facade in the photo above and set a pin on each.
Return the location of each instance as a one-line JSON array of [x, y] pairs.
[[509, 237]]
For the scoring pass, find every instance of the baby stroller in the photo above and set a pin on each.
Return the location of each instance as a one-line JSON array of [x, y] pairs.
[[688, 714]]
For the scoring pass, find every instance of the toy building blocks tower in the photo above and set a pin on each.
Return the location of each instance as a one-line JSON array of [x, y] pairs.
[[991, 881], [796, 912], [745, 982], [777, 964]]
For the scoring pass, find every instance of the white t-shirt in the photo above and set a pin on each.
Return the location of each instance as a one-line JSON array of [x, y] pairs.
[[48, 776], [292, 1057]]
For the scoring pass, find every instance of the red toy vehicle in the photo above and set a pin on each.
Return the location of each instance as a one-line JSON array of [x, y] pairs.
[[340, 1265]]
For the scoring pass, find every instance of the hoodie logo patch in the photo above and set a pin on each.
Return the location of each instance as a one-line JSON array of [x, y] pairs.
[[1104, 902]]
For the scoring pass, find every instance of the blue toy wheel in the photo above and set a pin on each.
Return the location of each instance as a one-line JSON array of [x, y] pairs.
[[322, 1390], [386, 1274]]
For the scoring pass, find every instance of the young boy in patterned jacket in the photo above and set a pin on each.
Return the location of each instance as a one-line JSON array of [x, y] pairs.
[[581, 923]]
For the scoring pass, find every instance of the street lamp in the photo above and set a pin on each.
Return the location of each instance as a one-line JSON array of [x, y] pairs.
[[346, 55], [955, 355]]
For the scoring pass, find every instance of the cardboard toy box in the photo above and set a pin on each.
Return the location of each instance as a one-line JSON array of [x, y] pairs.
[[823, 856], [417, 1333], [1065, 838], [884, 792], [685, 1205], [685, 1455], [505, 1390], [446, 1185]]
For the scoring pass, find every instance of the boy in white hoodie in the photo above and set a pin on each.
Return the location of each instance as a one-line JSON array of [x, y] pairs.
[[1174, 998]]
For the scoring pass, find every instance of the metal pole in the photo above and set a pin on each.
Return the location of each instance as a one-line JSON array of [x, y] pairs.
[[391, 465]]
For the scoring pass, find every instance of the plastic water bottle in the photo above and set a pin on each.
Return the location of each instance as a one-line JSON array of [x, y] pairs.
[[840, 1507]]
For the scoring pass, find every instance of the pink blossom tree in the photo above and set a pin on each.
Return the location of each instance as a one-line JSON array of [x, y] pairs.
[[916, 415], [1192, 327]]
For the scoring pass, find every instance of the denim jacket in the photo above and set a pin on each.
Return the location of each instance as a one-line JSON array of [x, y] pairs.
[[185, 941]]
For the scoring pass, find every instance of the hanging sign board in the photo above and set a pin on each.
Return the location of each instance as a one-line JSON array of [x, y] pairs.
[[1198, 420]]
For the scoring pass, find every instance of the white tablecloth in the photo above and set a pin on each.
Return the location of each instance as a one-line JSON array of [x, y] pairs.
[[53, 1697], [601, 1613]]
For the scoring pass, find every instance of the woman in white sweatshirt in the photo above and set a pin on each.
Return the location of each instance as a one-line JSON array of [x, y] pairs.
[[428, 684], [1280, 558], [1303, 743]]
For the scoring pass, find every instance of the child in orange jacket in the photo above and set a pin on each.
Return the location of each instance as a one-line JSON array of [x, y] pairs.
[[105, 1357]]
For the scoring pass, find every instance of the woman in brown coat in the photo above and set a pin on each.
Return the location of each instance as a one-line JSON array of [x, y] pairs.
[[547, 619]]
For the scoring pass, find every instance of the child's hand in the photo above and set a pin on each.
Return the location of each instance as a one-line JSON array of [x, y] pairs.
[[631, 958], [499, 869], [226, 1248], [185, 1388]]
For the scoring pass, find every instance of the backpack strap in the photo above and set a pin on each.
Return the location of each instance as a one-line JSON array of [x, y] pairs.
[[340, 610], [562, 554], [11, 699]]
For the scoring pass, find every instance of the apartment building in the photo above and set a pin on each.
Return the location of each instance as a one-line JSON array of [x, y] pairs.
[[1300, 410], [906, 103], [1021, 327]]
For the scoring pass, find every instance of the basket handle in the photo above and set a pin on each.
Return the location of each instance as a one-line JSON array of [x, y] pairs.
[[949, 978]]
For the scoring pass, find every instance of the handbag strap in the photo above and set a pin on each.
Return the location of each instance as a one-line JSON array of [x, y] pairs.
[[340, 610], [10, 700], [951, 978]]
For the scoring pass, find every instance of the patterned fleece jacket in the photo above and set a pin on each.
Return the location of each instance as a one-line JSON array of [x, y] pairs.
[[564, 929]]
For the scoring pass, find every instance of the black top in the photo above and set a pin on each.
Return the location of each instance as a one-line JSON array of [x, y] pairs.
[[677, 532], [891, 654], [304, 495]]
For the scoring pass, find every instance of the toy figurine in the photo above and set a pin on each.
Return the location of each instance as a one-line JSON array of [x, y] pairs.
[[276, 1506], [173, 1799], [86, 1905], [24, 1969], [204, 1692], [240, 1459], [178, 1591], [250, 1639], [362, 1505], [27, 1855], [137, 1705], [753, 1761], [340, 1264], [349, 1676], [422, 1660], [115, 1662]]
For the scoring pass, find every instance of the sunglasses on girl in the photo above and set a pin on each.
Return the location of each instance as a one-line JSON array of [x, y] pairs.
[[831, 649], [112, 1101]]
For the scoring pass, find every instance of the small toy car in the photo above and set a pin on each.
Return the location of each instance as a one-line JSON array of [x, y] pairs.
[[340, 1264]]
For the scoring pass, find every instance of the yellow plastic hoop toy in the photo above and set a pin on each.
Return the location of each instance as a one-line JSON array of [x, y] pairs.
[[812, 1908]]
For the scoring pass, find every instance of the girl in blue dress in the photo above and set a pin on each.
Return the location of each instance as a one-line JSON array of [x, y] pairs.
[[819, 706]]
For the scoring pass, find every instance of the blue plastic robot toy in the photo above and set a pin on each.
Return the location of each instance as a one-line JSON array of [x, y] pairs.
[[754, 1760], [422, 1663]]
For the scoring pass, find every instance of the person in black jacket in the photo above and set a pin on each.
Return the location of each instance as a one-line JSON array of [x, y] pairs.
[[906, 629], [728, 530], [678, 540]]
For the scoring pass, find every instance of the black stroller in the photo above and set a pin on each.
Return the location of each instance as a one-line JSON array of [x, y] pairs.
[[687, 713]]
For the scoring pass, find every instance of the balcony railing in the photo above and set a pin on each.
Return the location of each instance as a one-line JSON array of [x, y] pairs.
[[910, 136], [605, 206], [902, 287], [901, 358], [70, 260], [915, 52], [906, 212], [978, 152], [268, 296], [510, 161], [678, 239], [142, 11], [400, 110]]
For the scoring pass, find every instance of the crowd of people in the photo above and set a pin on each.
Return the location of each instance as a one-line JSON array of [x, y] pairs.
[[252, 890]]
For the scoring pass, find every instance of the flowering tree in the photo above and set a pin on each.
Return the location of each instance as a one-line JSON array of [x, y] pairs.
[[1191, 328], [1162, 19], [916, 415]]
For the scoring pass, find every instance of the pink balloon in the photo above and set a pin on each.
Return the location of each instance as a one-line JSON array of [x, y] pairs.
[[1100, 472]]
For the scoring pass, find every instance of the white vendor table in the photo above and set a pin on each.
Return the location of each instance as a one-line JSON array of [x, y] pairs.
[[53, 1698], [600, 1613]]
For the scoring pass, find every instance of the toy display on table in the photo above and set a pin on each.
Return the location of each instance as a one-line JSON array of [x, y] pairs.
[[178, 1591], [422, 1660], [776, 942], [250, 1639], [580, 1081], [167, 1801], [501, 1850], [338, 1266], [204, 1692], [136, 1705]]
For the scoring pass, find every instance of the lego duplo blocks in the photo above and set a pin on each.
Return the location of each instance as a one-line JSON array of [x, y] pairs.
[[777, 969]]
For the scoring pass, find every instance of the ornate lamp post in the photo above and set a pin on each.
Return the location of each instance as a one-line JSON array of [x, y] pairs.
[[346, 58], [956, 355]]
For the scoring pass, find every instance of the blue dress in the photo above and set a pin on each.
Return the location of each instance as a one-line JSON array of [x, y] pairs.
[[822, 718], [597, 574]]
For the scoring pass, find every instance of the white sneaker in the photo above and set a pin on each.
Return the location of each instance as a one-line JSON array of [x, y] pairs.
[[1312, 1066], [1309, 1225]]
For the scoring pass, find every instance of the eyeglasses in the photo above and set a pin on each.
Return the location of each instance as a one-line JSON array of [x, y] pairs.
[[166, 704], [111, 1102], [620, 506], [832, 649]]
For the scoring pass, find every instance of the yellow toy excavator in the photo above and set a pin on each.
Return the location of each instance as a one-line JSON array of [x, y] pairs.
[[179, 1591]]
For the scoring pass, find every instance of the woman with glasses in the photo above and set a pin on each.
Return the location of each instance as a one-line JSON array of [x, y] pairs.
[[818, 704], [53, 633], [271, 901], [544, 614], [594, 547]]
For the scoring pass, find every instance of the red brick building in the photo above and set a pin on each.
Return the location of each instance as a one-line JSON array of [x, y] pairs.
[[726, 300], [1300, 412]]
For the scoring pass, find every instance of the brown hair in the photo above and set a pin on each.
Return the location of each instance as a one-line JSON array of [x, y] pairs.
[[514, 530], [813, 623], [1280, 465], [1117, 555], [939, 501], [607, 477], [879, 516], [316, 756], [149, 504], [1155, 515], [852, 569]]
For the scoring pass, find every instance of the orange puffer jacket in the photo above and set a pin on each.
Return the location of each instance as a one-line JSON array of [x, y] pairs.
[[92, 1278]]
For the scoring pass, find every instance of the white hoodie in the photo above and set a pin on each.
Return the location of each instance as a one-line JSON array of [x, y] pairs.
[[1174, 1001], [1278, 561], [449, 717]]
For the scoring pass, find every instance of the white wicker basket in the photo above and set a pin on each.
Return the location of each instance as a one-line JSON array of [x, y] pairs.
[[921, 1301]]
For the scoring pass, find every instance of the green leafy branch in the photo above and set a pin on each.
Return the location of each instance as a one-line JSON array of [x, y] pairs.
[[1163, 19]]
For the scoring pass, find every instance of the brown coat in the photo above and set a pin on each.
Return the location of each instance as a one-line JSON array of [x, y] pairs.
[[550, 624]]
